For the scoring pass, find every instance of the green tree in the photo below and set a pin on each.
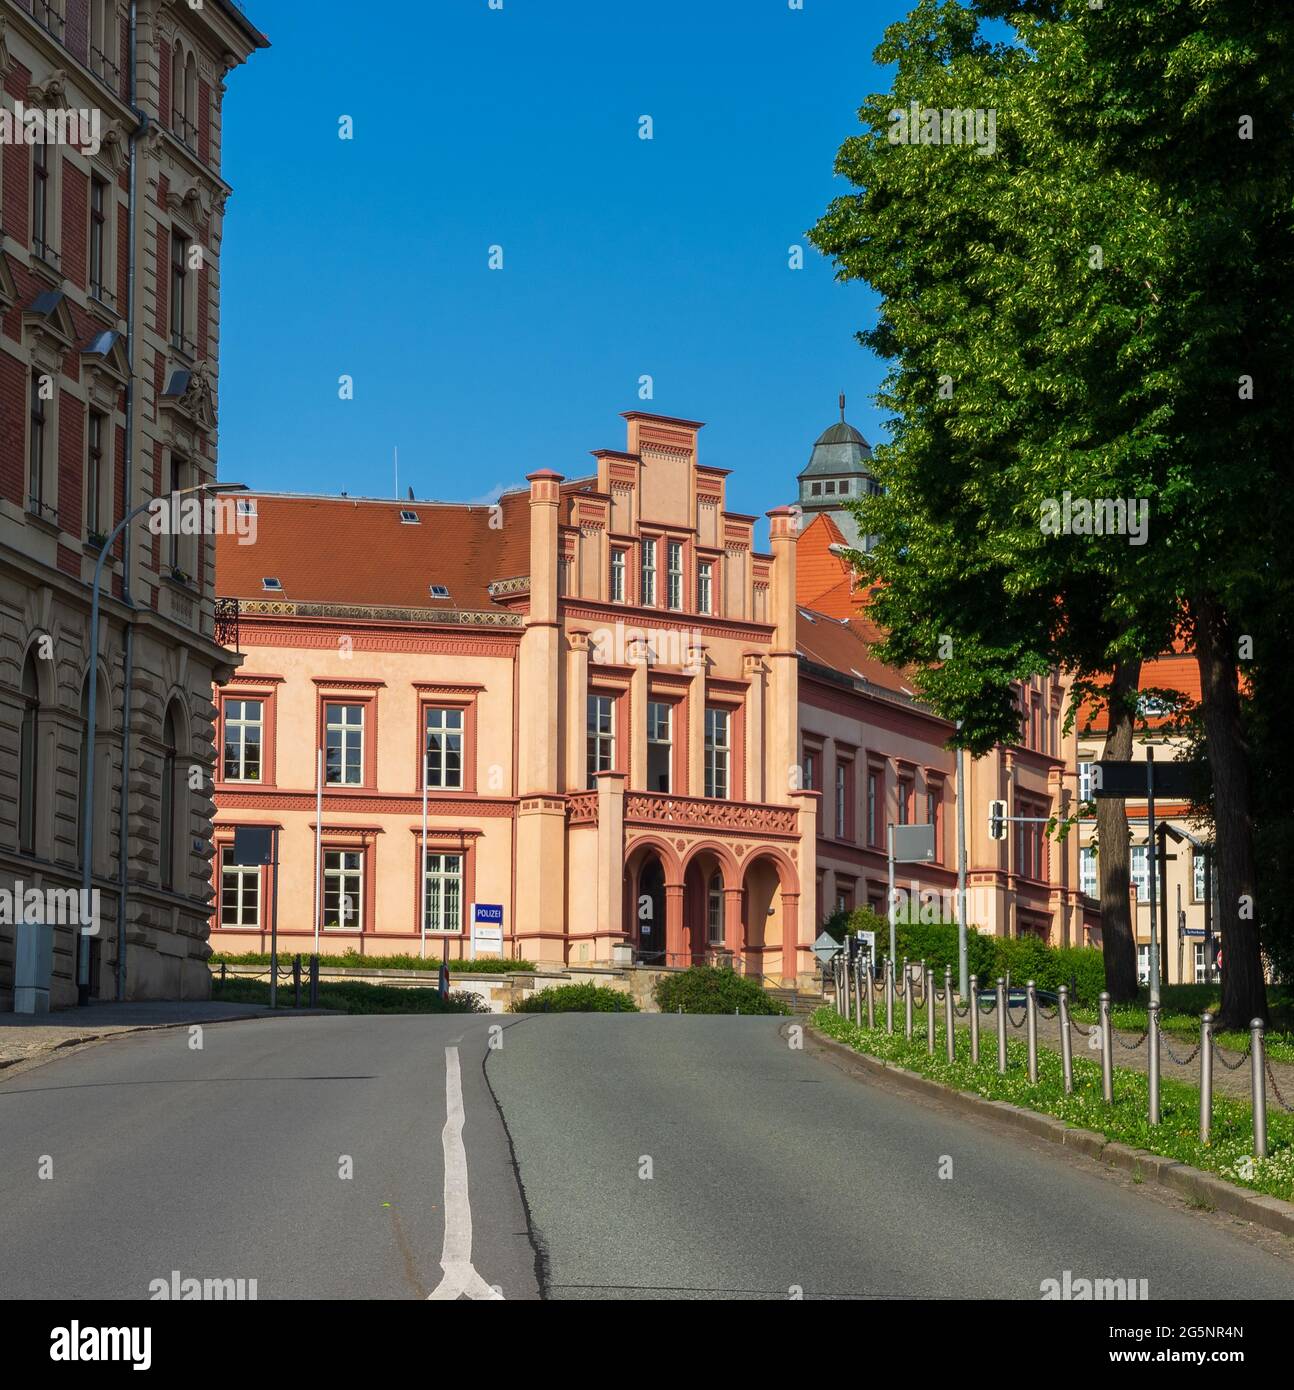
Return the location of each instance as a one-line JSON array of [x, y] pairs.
[[1066, 314]]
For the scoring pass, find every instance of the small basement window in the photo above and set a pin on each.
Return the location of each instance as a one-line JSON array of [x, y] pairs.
[[439, 591], [409, 518], [275, 585]]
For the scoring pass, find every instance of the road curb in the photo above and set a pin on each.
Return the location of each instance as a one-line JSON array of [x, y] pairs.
[[1205, 1189]]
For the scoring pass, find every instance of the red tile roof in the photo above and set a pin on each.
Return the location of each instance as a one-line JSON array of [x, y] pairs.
[[357, 551], [843, 646]]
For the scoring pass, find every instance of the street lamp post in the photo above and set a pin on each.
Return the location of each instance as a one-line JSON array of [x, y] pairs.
[[87, 787]]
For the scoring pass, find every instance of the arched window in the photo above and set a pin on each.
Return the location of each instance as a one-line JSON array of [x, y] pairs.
[[29, 757], [191, 101], [177, 89], [166, 829], [714, 910]]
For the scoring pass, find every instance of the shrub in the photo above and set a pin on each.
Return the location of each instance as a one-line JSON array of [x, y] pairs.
[[708, 989], [576, 999], [351, 959]]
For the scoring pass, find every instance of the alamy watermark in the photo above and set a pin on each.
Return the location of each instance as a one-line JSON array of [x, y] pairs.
[[60, 907], [187, 514], [33, 125], [930, 125], [1067, 1289], [625, 645], [1096, 516]]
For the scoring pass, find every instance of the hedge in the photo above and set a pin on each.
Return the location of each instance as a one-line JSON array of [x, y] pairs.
[[576, 999], [709, 989]]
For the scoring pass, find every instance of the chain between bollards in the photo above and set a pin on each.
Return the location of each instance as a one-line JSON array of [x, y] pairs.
[[1001, 1025], [1107, 1059], [1066, 1042], [974, 1018], [1152, 1061], [1206, 1077], [1258, 1087], [1031, 1028], [950, 1039]]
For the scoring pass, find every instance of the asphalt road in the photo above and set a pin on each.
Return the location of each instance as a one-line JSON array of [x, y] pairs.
[[593, 1156]]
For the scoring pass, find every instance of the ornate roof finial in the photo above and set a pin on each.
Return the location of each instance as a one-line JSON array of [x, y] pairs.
[[842, 407]]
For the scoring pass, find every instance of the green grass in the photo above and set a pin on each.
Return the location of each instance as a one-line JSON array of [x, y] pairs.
[[352, 960], [1229, 1155], [351, 997], [1180, 1016]]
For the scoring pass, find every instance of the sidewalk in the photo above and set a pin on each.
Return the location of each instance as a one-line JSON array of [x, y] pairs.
[[28, 1038]]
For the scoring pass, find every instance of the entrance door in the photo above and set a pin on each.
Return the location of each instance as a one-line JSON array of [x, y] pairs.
[[650, 911]]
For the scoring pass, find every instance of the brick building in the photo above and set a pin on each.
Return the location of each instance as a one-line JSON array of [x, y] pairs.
[[109, 290]]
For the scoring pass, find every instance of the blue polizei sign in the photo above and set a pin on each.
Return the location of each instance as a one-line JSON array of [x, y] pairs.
[[487, 914]]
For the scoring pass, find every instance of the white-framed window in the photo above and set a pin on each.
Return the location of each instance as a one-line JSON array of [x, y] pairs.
[[714, 910], [344, 745], [1087, 871], [1201, 974], [660, 746], [601, 736], [343, 890], [100, 266], [244, 730], [1085, 781], [617, 576], [1141, 872], [240, 893], [705, 587], [1143, 965], [1197, 877], [648, 594], [842, 783], [442, 893], [443, 746], [674, 573], [717, 752]]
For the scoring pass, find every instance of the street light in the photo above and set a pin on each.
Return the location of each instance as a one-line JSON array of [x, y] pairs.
[[87, 788]]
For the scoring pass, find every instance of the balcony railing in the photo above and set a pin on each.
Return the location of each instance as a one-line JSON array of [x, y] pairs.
[[699, 812], [226, 629]]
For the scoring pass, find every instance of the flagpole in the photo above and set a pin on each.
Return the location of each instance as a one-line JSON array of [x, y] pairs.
[[318, 842]]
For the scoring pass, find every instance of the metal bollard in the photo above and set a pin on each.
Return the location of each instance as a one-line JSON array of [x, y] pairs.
[[1031, 1028], [1001, 1025], [930, 1009], [1206, 1077], [314, 982], [1066, 1042], [296, 982], [1107, 1051], [871, 996], [1258, 1086], [889, 995], [950, 1040], [1152, 1067], [974, 1018], [860, 975], [907, 1001]]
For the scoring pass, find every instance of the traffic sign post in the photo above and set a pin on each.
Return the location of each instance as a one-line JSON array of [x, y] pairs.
[[254, 847], [487, 928], [907, 844]]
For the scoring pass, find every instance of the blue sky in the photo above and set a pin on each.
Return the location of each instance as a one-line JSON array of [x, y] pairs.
[[622, 256]]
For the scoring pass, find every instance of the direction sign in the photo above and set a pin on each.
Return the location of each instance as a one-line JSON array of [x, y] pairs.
[[914, 844], [825, 947], [1124, 779], [253, 844]]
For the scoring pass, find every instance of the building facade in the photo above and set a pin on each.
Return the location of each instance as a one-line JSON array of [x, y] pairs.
[[109, 335], [591, 686], [879, 755], [1184, 882]]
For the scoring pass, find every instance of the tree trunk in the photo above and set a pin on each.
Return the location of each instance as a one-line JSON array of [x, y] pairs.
[[1244, 991], [1118, 939]]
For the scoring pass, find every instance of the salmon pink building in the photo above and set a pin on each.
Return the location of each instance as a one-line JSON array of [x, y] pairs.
[[594, 681], [878, 754]]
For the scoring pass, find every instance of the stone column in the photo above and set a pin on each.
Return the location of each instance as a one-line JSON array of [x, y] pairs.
[[696, 726], [732, 933], [790, 937], [577, 690], [783, 708], [610, 926], [674, 943], [755, 671]]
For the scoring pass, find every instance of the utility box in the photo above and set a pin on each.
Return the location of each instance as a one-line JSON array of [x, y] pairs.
[[33, 968]]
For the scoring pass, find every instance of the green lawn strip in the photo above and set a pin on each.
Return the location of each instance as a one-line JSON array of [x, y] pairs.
[[350, 997], [1229, 1155], [352, 960], [1133, 1018]]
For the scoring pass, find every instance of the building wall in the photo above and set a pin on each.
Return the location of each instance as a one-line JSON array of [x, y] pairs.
[[582, 864], [54, 309]]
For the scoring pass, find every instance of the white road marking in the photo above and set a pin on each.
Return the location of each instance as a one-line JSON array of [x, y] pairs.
[[460, 1276]]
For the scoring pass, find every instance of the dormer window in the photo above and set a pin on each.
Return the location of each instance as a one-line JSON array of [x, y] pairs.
[[409, 518], [439, 591], [272, 585]]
